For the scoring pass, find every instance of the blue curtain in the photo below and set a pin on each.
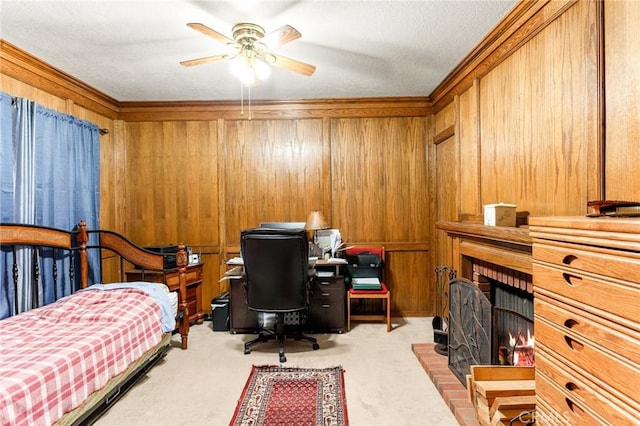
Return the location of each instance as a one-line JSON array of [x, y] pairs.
[[50, 176]]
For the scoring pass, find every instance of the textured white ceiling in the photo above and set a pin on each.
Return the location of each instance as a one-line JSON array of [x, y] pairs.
[[130, 50]]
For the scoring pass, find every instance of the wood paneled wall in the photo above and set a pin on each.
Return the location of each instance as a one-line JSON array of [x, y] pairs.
[[537, 120], [469, 139], [622, 88], [379, 195], [171, 185], [551, 120], [171, 189], [204, 175], [543, 113], [273, 171], [367, 175]]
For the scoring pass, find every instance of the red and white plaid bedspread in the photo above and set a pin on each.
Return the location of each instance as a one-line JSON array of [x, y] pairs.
[[54, 357]]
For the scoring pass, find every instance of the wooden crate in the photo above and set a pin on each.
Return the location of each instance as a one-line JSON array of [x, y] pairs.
[[501, 393]]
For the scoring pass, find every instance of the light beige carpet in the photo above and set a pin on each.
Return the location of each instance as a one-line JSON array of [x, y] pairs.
[[384, 382]]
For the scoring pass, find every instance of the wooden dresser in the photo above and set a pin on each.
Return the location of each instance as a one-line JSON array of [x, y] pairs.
[[194, 286], [586, 275]]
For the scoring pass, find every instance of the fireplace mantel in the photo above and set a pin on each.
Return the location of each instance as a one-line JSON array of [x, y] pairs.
[[504, 246]]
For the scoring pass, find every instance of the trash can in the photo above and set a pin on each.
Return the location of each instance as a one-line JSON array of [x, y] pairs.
[[220, 312]]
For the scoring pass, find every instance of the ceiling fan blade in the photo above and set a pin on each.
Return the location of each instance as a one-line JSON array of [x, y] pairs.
[[293, 65], [282, 35], [204, 60], [209, 32]]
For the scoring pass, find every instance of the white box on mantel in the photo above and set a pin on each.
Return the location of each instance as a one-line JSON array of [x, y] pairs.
[[500, 214]]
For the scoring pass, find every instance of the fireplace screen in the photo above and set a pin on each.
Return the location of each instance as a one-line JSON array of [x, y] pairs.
[[469, 328]]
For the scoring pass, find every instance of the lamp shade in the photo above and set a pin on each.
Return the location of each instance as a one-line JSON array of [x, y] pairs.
[[316, 221]]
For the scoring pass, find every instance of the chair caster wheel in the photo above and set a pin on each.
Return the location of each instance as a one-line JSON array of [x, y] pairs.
[[316, 346], [283, 358], [247, 351]]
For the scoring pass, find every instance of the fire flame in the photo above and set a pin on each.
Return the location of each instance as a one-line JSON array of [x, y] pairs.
[[528, 342], [522, 345]]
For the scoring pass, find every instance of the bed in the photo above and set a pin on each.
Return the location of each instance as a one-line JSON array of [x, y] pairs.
[[67, 361]]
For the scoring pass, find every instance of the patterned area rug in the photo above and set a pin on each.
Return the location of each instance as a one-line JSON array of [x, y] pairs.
[[292, 396]]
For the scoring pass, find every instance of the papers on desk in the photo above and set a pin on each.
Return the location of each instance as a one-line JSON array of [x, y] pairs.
[[365, 283], [238, 267], [328, 240], [236, 271], [233, 273], [332, 261], [238, 261]]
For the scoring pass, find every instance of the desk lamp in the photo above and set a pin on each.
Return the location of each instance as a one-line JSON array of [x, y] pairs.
[[315, 221]]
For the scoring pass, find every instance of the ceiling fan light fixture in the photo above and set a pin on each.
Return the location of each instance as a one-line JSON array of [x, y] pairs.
[[251, 41], [250, 71], [262, 70], [249, 54], [246, 33], [269, 58]]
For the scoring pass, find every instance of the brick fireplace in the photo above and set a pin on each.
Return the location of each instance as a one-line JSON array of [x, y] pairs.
[[510, 293], [490, 319], [497, 260]]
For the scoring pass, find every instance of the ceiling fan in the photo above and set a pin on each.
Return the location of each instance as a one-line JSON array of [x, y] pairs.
[[251, 48]]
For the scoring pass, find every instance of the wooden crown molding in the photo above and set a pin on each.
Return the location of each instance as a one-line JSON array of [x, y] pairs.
[[283, 109], [26, 68], [526, 20]]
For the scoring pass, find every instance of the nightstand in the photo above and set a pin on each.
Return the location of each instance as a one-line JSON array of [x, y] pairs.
[[194, 286]]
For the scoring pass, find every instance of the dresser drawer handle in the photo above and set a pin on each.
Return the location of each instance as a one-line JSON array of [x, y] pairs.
[[575, 408], [572, 386], [572, 280], [569, 259], [325, 294], [573, 344], [571, 323]]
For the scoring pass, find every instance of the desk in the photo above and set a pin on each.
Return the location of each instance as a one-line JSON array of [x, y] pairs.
[[334, 261], [327, 299], [321, 263]]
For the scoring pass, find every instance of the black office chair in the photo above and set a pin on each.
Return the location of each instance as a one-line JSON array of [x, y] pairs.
[[276, 276]]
